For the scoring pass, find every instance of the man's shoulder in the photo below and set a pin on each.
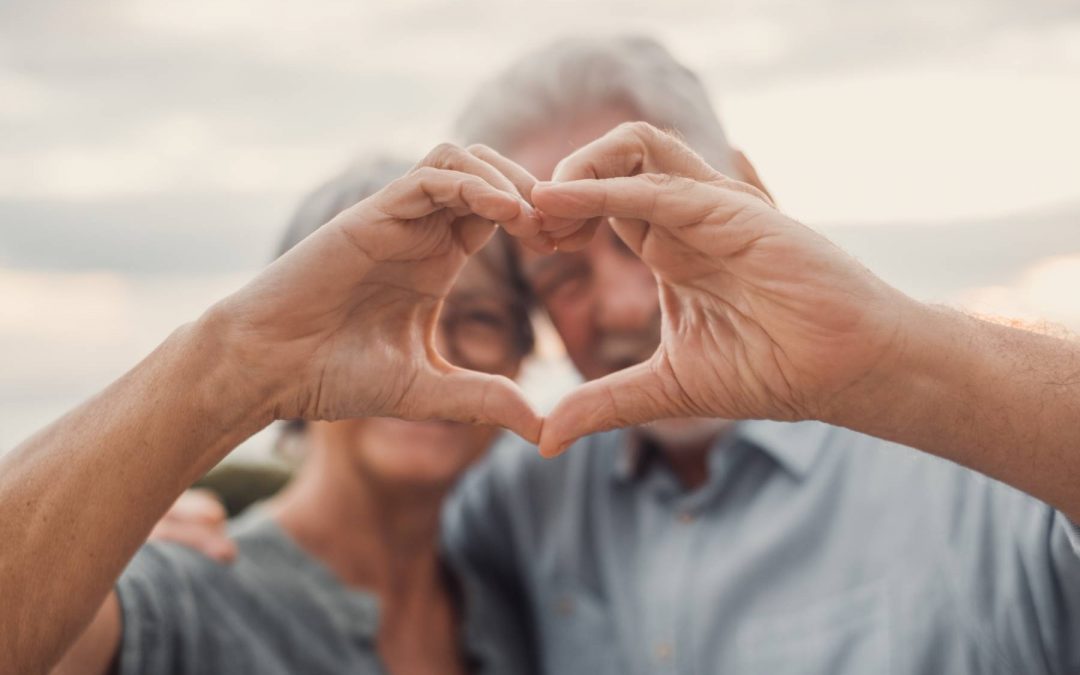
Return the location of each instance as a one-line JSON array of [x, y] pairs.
[[263, 563], [894, 471], [168, 562], [184, 612]]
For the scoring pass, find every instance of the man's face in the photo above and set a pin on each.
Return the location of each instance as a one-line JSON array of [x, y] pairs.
[[603, 298]]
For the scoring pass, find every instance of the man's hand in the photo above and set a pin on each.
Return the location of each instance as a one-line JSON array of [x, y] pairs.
[[344, 324], [762, 317]]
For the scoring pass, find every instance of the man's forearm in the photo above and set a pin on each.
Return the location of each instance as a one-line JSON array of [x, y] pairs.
[[78, 498], [1000, 400]]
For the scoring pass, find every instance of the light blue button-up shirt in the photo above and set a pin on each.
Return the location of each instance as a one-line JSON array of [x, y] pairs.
[[810, 549]]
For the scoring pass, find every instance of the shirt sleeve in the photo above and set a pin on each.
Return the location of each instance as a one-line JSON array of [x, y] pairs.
[[1022, 574], [1072, 533], [175, 617], [1056, 599], [1065, 563]]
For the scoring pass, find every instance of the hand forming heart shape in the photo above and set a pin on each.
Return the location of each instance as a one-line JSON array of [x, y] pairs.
[[762, 317], [344, 324]]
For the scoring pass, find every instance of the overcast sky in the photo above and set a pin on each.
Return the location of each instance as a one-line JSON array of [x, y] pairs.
[[151, 151]]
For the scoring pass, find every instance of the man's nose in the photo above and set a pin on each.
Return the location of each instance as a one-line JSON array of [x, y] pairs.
[[626, 294]]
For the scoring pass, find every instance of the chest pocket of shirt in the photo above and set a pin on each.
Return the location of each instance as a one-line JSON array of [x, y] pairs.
[[845, 633], [577, 632]]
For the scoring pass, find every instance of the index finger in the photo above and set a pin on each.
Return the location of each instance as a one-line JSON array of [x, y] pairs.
[[521, 179], [427, 190], [632, 148], [450, 157], [523, 182], [659, 199]]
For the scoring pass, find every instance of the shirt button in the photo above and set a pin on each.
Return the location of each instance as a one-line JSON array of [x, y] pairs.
[[663, 651]]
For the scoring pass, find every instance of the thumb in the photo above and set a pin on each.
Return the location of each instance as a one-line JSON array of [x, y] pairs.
[[627, 398], [468, 396]]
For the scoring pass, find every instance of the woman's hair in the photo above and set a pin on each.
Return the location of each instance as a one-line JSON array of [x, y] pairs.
[[569, 77], [356, 183], [366, 177]]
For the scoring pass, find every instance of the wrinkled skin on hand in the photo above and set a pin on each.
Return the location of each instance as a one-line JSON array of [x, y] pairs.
[[762, 317], [344, 324]]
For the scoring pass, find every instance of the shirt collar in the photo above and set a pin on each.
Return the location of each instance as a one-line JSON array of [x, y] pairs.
[[794, 446], [632, 457]]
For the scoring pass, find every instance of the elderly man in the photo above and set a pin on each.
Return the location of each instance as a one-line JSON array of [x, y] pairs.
[[703, 545]]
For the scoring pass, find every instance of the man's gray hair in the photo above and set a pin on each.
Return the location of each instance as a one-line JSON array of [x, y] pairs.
[[567, 78]]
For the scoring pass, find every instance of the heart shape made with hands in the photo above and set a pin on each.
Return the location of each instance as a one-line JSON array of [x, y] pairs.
[[761, 316]]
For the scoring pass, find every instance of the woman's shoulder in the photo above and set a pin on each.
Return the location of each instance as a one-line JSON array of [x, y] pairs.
[[269, 608]]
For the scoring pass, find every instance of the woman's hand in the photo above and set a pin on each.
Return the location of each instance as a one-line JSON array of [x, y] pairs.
[[344, 324], [197, 520]]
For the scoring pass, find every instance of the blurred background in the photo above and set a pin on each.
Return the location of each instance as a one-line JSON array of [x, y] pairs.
[[152, 151]]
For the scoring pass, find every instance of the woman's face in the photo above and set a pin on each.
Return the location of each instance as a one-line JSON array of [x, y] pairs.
[[477, 330]]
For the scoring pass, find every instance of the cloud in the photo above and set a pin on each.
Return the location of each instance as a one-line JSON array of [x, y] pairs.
[[914, 143], [133, 97], [939, 261], [88, 307], [64, 336], [1047, 291], [171, 234]]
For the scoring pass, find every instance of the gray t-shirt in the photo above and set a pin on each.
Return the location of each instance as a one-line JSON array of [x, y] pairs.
[[274, 610]]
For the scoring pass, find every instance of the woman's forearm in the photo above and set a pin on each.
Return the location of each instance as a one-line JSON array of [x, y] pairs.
[[79, 497], [339, 327]]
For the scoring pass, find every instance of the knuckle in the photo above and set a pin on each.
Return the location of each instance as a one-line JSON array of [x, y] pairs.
[[425, 173], [638, 128], [562, 166], [442, 155], [659, 179], [471, 182], [647, 134], [481, 150], [747, 189]]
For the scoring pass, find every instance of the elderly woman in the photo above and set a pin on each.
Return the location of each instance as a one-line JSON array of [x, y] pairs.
[[342, 571]]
